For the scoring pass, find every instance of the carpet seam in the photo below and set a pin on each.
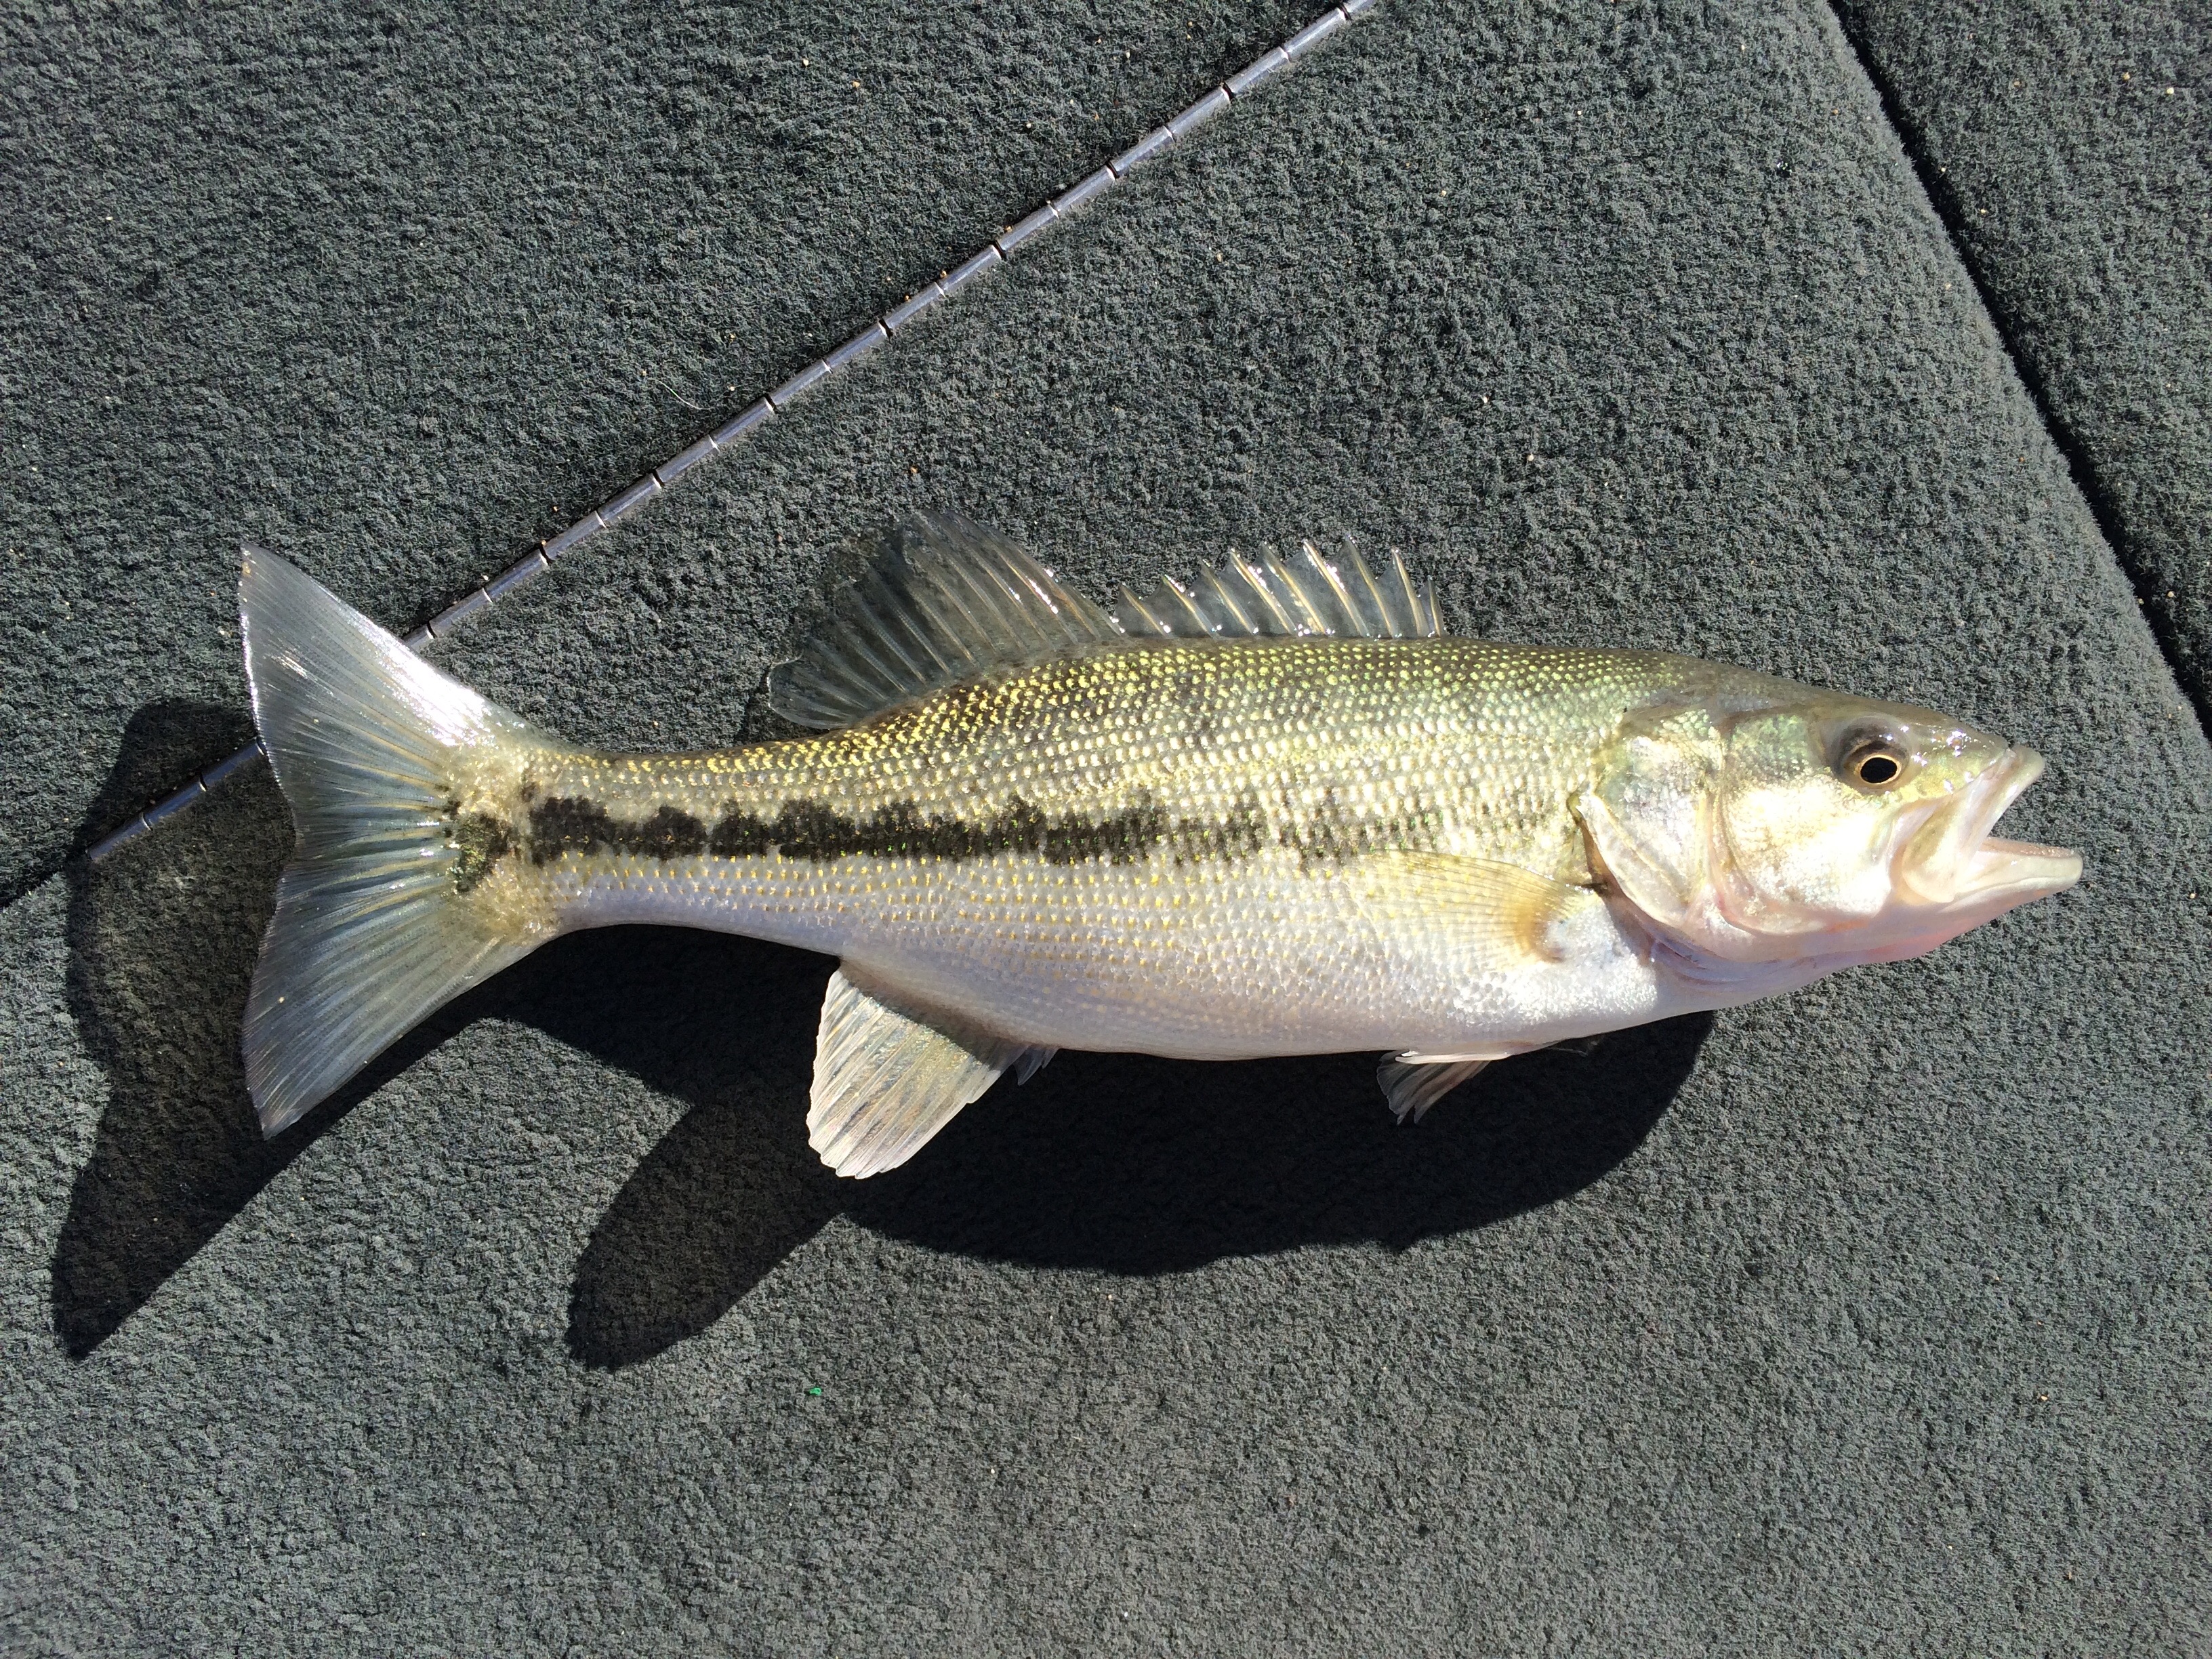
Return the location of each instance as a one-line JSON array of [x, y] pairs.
[[2082, 471]]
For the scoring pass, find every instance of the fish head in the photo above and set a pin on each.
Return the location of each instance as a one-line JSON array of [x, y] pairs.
[[1813, 830]]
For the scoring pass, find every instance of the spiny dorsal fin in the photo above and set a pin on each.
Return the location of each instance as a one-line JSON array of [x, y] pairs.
[[944, 600], [886, 1080], [1413, 1083], [1310, 596]]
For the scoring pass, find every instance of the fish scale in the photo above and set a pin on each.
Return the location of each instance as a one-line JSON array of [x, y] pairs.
[[1273, 812], [1230, 787]]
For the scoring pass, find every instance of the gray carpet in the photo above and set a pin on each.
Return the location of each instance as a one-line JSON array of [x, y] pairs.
[[1868, 1320]]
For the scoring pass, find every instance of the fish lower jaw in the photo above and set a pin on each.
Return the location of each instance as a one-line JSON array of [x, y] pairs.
[[1952, 874], [2018, 871], [1725, 972], [1996, 876], [1990, 878]]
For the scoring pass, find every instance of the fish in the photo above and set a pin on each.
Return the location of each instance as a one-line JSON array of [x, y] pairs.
[[1270, 810]]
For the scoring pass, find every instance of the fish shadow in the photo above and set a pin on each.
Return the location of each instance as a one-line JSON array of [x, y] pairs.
[[1126, 1164], [161, 941], [1114, 1164]]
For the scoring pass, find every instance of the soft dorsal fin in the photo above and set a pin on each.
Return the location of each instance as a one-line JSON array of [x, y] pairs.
[[944, 600], [886, 1079], [1310, 596]]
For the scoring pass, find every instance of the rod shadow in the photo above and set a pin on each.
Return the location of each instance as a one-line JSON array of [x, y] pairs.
[[1116, 1164]]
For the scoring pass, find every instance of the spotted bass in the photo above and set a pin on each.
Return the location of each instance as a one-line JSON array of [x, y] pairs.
[[1270, 811]]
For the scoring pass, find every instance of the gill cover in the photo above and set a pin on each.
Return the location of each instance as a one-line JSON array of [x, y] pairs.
[[1769, 825]]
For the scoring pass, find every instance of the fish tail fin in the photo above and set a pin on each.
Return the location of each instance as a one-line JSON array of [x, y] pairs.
[[382, 916]]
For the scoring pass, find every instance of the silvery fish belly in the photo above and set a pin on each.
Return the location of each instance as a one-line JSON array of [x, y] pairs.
[[1268, 812]]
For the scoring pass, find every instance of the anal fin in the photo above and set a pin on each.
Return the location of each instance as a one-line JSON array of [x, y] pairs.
[[886, 1079]]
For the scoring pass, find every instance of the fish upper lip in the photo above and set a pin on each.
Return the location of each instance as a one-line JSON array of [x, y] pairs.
[[1954, 862]]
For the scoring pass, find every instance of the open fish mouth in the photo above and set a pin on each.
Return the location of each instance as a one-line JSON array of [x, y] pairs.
[[1953, 863]]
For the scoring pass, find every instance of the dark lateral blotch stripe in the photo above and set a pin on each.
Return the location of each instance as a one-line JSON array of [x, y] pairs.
[[808, 830], [479, 841], [567, 824]]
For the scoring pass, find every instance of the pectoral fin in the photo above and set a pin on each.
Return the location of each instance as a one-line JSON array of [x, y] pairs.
[[886, 1079], [1476, 900]]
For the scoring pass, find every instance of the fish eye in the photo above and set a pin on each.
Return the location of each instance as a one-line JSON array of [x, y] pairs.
[[1876, 763]]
